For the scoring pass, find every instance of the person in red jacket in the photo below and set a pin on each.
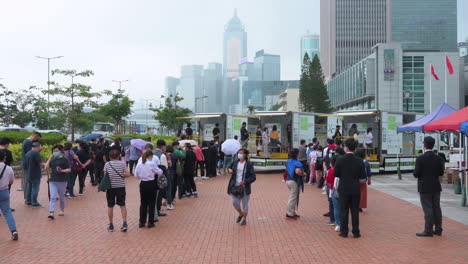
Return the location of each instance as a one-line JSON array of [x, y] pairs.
[[334, 203]]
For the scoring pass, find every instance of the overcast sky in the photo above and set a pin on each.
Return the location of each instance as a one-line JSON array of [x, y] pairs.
[[146, 40]]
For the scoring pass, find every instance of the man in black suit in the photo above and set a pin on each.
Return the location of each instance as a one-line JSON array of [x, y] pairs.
[[350, 170], [429, 167]]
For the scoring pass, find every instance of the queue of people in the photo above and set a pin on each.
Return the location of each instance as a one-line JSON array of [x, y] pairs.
[[340, 170]]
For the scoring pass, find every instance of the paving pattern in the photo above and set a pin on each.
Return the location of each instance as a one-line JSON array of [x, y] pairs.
[[203, 230]]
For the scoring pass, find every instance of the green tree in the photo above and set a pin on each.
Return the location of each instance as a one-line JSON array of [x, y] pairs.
[[321, 101], [118, 107], [305, 89], [167, 115], [313, 95], [75, 97], [251, 109]]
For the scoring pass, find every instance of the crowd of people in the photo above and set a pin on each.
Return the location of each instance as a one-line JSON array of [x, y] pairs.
[[166, 172], [340, 169]]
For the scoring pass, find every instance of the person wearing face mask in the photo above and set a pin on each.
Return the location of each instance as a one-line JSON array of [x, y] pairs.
[[59, 169], [242, 176]]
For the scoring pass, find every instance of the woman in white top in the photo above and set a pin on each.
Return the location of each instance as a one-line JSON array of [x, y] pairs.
[[145, 171], [6, 178]]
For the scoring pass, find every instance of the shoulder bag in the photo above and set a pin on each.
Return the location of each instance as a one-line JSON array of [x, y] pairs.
[[238, 191], [105, 183]]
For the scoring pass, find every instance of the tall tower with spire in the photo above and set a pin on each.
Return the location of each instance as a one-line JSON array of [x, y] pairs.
[[235, 46]]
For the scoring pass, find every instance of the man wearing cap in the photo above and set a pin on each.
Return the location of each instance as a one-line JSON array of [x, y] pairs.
[[33, 164], [27, 145]]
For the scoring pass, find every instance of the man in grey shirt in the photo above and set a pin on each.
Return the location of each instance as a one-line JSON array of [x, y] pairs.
[[302, 157]]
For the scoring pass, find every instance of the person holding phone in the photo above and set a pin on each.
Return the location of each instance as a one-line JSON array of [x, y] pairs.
[[59, 168]]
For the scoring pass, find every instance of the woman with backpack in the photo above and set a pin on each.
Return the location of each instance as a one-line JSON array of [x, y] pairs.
[[146, 171], [242, 176]]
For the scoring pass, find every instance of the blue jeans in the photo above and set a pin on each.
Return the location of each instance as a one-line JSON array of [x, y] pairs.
[[336, 210], [331, 210], [227, 162], [6, 210], [32, 191], [57, 189]]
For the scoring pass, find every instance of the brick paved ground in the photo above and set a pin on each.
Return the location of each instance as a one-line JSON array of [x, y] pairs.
[[203, 231]]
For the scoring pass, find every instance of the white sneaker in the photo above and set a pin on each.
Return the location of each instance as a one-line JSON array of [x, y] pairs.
[[205, 178], [170, 207], [337, 229]]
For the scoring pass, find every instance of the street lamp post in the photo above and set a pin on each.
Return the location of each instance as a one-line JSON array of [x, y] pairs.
[[196, 100], [407, 96], [48, 83], [120, 83]]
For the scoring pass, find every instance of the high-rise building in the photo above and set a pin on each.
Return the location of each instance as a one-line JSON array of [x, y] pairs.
[[429, 25], [348, 31], [235, 46], [212, 85], [191, 86], [350, 28], [310, 44], [171, 86], [267, 66]]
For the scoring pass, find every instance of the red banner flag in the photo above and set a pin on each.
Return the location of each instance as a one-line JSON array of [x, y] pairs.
[[434, 73], [449, 65]]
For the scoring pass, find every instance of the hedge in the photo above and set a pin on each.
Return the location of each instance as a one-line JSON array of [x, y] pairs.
[[16, 151], [46, 139]]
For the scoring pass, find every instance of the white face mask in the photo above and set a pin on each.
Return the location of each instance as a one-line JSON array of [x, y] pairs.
[[240, 156]]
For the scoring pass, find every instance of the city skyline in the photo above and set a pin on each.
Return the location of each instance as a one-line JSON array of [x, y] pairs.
[[146, 41]]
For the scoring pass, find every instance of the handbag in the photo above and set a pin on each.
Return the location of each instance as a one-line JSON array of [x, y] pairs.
[[75, 165], [161, 180], [105, 183], [238, 190]]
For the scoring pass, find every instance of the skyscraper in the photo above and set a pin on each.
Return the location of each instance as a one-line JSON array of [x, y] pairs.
[[267, 66], [171, 86], [310, 44], [235, 46], [212, 86], [191, 86], [350, 28]]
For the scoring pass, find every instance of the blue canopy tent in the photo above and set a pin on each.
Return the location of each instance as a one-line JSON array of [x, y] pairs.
[[441, 111], [464, 128]]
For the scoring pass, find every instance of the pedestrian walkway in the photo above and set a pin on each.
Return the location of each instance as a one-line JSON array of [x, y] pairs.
[[405, 189], [203, 230]]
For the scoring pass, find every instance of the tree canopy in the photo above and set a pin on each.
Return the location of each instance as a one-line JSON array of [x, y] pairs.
[[167, 115], [313, 95]]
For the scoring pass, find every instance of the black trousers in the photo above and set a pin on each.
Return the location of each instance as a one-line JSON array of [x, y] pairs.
[[306, 169], [200, 166], [180, 186], [190, 185], [349, 202], [160, 194], [430, 203], [82, 178], [132, 164], [211, 168], [99, 171], [91, 168], [147, 201]]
